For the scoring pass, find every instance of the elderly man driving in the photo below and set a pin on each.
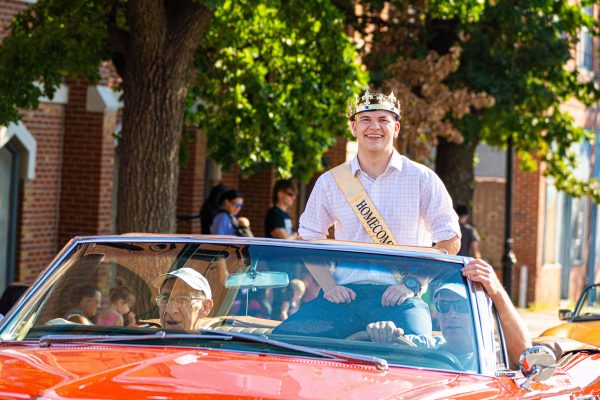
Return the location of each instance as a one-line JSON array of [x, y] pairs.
[[184, 298]]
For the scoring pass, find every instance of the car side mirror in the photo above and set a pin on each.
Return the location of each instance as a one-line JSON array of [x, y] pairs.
[[537, 363], [564, 314]]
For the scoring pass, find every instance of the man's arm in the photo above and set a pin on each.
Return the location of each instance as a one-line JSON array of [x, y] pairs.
[[331, 290], [316, 219], [280, 233], [452, 246], [516, 334]]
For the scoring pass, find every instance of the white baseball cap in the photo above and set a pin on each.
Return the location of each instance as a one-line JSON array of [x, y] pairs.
[[457, 288], [192, 278]]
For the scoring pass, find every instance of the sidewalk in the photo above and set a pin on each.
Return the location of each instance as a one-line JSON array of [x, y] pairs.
[[539, 321]]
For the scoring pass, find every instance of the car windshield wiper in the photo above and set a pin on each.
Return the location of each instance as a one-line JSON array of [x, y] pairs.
[[209, 334], [379, 363]]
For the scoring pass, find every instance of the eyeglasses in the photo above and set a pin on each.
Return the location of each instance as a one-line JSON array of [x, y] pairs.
[[180, 301], [460, 306], [236, 204]]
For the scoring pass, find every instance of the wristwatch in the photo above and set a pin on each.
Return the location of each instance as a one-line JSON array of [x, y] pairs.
[[413, 284]]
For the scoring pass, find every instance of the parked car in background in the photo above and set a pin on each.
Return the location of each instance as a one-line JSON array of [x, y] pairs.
[[205, 323], [583, 323]]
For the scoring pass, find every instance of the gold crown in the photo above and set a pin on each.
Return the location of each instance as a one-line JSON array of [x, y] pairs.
[[372, 102]]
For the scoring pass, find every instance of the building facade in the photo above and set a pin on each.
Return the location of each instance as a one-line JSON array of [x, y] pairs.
[[59, 168]]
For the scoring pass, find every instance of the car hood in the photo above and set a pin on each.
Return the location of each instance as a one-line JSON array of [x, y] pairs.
[[100, 371], [582, 331], [586, 332]]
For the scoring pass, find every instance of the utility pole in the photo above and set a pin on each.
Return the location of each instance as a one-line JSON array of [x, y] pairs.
[[508, 258]]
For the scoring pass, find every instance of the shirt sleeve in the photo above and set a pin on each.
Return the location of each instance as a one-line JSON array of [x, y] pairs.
[[274, 220], [437, 210], [221, 225], [316, 218], [426, 341], [476, 237]]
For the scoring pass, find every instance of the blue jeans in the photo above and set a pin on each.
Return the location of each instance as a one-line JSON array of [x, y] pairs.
[[321, 317]]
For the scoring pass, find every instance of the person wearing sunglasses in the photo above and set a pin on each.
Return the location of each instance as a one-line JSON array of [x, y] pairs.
[[454, 316], [225, 221], [278, 223]]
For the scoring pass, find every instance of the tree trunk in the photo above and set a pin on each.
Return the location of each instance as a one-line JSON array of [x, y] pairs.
[[156, 64], [454, 163]]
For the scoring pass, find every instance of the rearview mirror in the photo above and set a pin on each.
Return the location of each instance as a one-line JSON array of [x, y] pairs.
[[257, 280], [564, 314], [537, 363]]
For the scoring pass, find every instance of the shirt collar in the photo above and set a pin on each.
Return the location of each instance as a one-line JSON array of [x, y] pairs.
[[396, 162]]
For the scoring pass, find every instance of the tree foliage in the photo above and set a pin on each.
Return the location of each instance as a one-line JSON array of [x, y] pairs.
[[391, 39], [275, 85], [272, 77], [521, 53], [50, 40], [426, 111], [517, 52]]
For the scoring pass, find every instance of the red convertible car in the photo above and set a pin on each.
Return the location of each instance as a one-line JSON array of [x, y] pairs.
[[159, 316]]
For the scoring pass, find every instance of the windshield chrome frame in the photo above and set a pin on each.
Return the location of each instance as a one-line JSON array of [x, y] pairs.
[[480, 303], [484, 330], [32, 291]]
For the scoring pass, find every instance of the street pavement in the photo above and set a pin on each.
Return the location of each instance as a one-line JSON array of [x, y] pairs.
[[539, 320]]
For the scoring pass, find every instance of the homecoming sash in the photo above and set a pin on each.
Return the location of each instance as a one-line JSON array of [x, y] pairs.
[[362, 205]]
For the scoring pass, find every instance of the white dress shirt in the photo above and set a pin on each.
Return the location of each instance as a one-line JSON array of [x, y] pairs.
[[410, 197]]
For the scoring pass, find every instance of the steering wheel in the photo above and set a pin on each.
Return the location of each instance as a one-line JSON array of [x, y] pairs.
[[364, 336], [149, 323]]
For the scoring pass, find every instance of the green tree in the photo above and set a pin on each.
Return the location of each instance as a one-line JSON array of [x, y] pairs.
[[161, 50], [517, 52], [276, 84]]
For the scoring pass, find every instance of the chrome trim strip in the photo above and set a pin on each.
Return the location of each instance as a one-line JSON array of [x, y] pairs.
[[330, 245]]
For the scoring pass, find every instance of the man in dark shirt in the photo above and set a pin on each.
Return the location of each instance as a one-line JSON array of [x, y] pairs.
[[469, 242], [278, 223]]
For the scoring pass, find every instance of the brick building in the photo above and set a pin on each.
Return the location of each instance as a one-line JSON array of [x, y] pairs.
[[58, 169], [555, 235]]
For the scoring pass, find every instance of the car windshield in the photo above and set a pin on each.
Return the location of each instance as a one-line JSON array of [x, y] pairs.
[[268, 290], [588, 307]]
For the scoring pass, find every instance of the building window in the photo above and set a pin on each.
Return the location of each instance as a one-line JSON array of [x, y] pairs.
[[580, 207], [9, 180], [585, 47], [553, 214], [579, 229]]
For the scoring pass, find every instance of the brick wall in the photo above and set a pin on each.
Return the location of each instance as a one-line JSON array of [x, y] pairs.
[[488, 217], [528, 209], [88, 168], [8, 9], [37, 229], [257, 199], [191, 183]]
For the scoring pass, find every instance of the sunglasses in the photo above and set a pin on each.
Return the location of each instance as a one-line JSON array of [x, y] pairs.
[[460, 306], [236, 204], [291, 194]]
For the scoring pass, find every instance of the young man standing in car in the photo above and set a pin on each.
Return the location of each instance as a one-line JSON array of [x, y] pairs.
[[405, 200], [382, 197]]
